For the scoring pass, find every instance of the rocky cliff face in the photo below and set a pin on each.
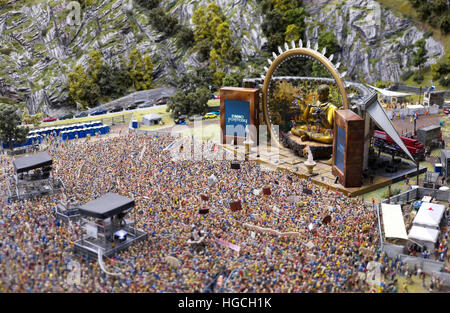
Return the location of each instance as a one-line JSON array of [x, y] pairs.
[[39, 48], [375, 43]]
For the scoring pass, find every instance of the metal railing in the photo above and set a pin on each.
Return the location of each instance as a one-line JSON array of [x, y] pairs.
[[417, 194]]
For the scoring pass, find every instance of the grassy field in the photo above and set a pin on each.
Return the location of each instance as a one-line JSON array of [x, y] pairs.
[[137, 114], [167, 119], [208, 132], [213, 102]]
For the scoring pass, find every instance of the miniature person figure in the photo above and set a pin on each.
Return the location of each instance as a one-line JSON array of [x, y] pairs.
[[320, 116]]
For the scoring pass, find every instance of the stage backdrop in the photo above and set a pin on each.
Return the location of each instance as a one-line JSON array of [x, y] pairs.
[[238, 108]]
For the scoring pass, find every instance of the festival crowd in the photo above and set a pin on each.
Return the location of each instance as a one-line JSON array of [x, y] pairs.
[[316, 256]]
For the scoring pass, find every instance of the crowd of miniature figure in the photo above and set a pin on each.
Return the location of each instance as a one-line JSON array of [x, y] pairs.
[[325, 257]]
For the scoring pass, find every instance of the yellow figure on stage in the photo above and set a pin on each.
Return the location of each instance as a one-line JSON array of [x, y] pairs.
[[319, 119]]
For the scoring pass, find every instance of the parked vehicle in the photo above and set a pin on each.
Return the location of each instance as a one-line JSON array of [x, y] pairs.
[[181, 120], [81, 114], [162, 101], [386, 144], [65, 116], [116, 109], [146, 104], [446, 111], [98, 112], [132, 106], [49, 119], [211, 115]]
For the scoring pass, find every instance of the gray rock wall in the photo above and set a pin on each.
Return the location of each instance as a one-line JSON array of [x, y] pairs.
[[39, 49]]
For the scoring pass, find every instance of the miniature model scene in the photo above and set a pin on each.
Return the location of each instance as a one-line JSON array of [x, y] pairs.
[[275, 146]]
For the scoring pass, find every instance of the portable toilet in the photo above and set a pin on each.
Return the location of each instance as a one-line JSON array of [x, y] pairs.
[[438, 168]]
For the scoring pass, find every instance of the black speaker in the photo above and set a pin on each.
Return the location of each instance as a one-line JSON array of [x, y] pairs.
[[235, 165]]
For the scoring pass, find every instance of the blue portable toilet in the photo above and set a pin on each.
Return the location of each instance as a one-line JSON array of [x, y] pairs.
[[417, 205], [438, 168]]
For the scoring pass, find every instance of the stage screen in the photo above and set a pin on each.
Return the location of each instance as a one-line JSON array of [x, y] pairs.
[[340, 148], [237, 117]]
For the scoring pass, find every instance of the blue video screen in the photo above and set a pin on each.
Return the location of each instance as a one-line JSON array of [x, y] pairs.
[[340, 148], [237, 117]]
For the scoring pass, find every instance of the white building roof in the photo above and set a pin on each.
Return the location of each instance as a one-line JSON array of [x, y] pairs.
[[423, 234], [429, 215], [393, 223]]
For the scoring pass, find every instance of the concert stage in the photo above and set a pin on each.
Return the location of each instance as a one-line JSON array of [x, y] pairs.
[[286, 160], [105, 227], [32, 177]]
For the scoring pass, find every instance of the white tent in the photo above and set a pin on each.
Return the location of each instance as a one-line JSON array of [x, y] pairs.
[[389, 93], [378, 114], [393, 223], [151, 119], [424, 236], [429, 215]]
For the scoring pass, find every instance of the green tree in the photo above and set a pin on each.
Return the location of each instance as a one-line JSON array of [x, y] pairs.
[[229, 81], [222, 40], [211, 31], [113, 82], [82, 88], [163, 22], [206, 20], [140, 70], [284, 20], [328, 40], [185, 37], [95, 61], [292, 33], [200, 77], [148, 4], [318, 70], [420, 55], [191, 103], [10, 131]]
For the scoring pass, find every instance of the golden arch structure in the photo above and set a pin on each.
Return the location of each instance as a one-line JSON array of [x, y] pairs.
[[293, 52]]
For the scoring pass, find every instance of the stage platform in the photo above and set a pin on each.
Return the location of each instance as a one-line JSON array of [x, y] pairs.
[[90, 246], [286, 160]]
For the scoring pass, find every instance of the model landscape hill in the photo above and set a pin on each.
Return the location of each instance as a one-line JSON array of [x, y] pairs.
[[39, 49]]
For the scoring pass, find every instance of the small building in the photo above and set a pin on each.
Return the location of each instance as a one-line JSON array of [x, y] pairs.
[[429, 136], [434, 97], [151, 119], [445, 161]]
